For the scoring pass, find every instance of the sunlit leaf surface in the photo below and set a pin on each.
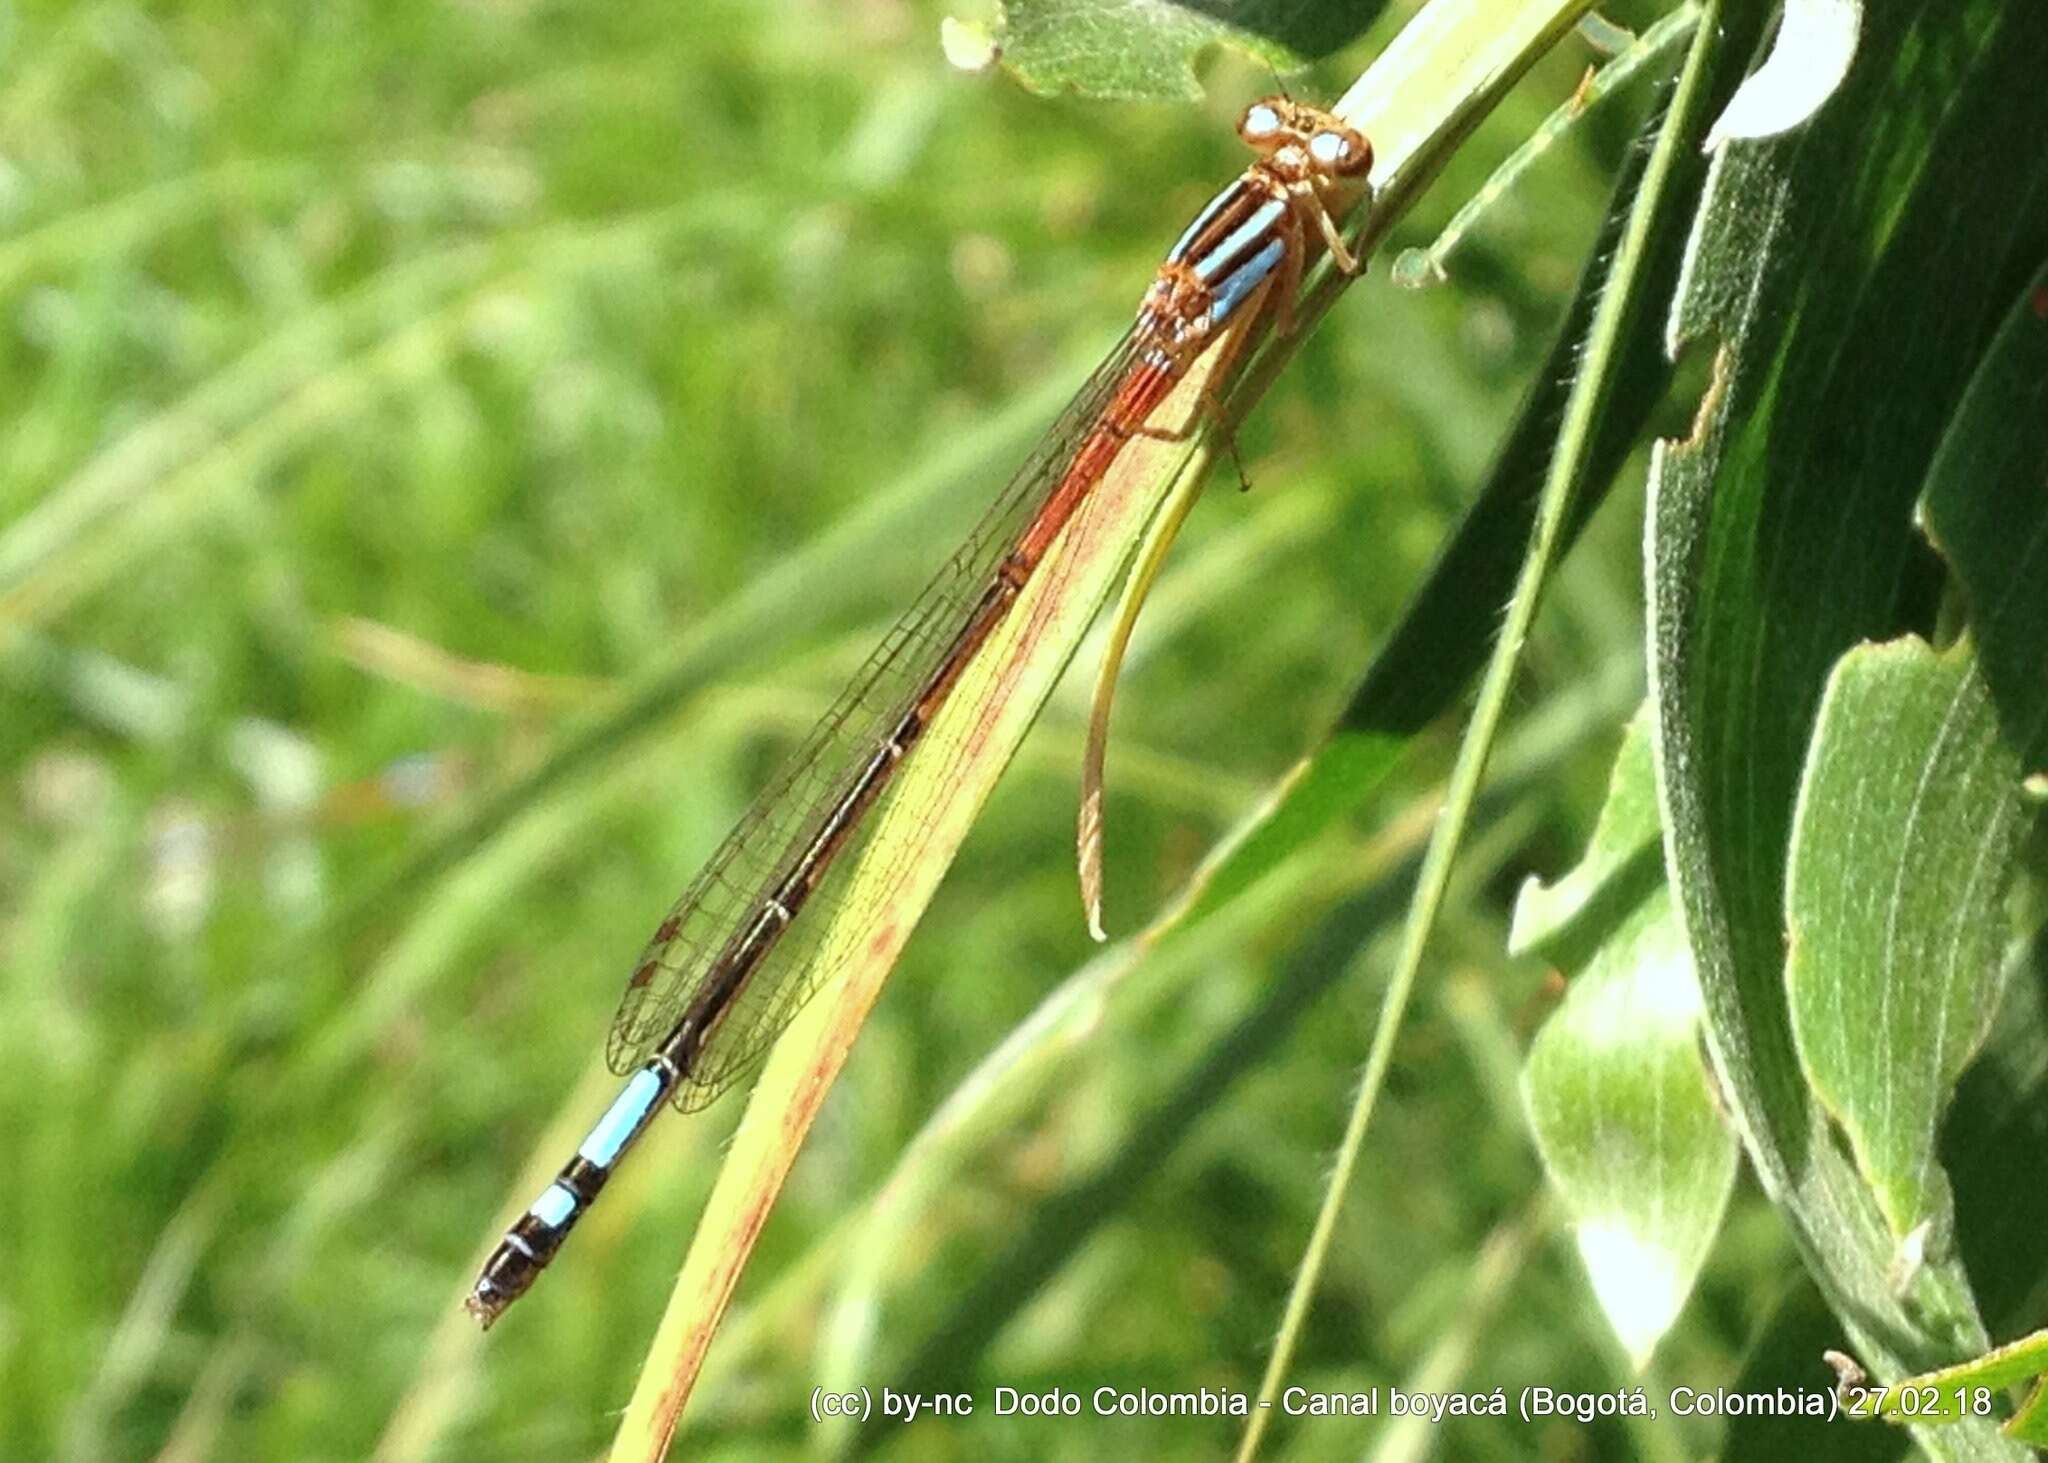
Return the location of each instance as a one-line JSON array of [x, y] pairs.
[[1149, 48], [1909, 822], [1615, 1084]]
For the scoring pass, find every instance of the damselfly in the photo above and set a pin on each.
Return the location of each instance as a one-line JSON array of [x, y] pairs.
[[739, 952]]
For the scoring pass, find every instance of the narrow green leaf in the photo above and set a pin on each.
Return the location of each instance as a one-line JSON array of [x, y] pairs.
[[2030, 1423], [1651, 54], [1986, 508], [1909, 822]]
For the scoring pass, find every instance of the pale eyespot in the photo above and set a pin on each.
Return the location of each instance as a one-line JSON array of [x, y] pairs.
[[1340, 152], [1260, 122]]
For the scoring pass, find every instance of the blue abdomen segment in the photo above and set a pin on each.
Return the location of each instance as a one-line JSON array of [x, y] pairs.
[[555, 1206], [622, 1123], [535, 1236]]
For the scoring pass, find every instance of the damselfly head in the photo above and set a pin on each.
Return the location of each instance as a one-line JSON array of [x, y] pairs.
[[1308, 138]]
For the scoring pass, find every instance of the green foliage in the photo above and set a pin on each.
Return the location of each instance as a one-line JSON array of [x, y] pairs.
[[1117, 48], [1782, 533], [1902, 859], [1617, 1097]]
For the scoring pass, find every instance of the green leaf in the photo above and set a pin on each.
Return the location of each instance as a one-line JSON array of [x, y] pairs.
[[1623, 861], [2030, 1425], [1951, 1394], [1847, 278], [1625, 1117], [1145, 50], [1997, 1126], [1619, 1102], [1909, 823], [1987, 512]]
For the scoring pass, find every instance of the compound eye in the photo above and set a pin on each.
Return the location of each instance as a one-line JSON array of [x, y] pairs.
[[1344, 153], [1260, 124]]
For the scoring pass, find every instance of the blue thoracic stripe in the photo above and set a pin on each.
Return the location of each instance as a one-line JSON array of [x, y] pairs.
[[554, 1207], [1216, 205], [1248, 233], [1243, 280], [627, 1116]]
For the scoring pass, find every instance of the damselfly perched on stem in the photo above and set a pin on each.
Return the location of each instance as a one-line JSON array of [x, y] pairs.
[[740, 952]]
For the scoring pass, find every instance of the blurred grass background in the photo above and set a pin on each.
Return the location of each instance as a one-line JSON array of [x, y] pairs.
[[385, 388]]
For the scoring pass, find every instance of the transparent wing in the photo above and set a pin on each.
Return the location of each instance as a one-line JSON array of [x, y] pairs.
[[769, 1006], [715, 910]]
